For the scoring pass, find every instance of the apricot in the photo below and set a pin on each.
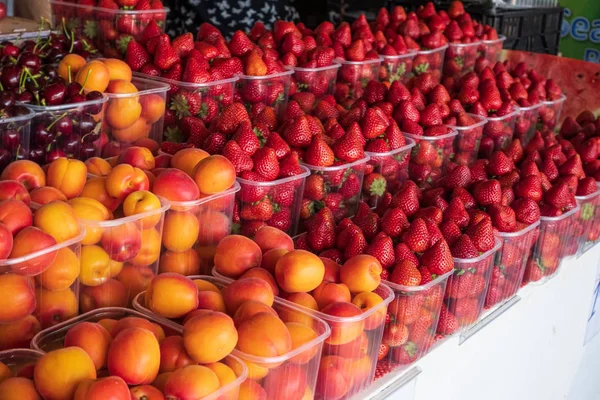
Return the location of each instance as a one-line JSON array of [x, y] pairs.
[[136, 156], [334, 379], [209, 336], [120, 120], [91, 337], [122, 242], [150, 250], [235, 254], [343, 332], [19, 333], [237, 292], [6, 242], [160, 381], [55, 306], [139, 129], [63, 271], [68, 176], [287, 382], [14, 190], [117, 69], [367, 301], [269, 238], [18, 389], [180, 230], [111, 387], [208, 300], [58, 373], [332, 270], [69, 66], [361, 273], [171, 295], [137, 322], [204, 285], [146, 392], [361, 369], [250, 390], [185, 262], [135, 279], [97, 166], [175, 185], [214, 227], [214, 174], [134, 355], [90, 210], [95, 188], [288, 314], [328, 292], [302, 334], [57, 219], [93, 76], [125, 179], [173, 355], [18, 298], [264, 335], [46, 194], [108, 324], [95, 265], [187, 159], [122, 86], [143, 202], [153, 107], [299, 271], [191, 382], [26, 172], [249, 308], [15, 215], [270, 258], [354, 349], [111, 293], [5, 372]]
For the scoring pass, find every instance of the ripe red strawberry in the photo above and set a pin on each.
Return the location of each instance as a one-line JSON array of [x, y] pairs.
[[374, 184], [405, 273], [350, 187], [151, 30], [572, 166], [231, 117], [417, 236], [431, 115], [403, 252], [447, 323], [531, 187], [382, 353], [321, 232], [185, 103], [172, 148], [463, 247], [426, 276], [356, 245], [482, 235], [240, 160], [382, 248], [214, 143], [526, 210], [195, 71], [559, 196], [183, 44], [456, 212], [314, 187], [290, 166], [503, 217], [407, 198], [395, 335], [165, 56], [487, 192], [247, 138], [438, 258], [348, 148], [393, 222], [460, 176], [499, 164], [356, 51], [240, 44], [136, 56], [261, 210], [586, 186], [374, 123], [450, 231], [266, 163], [319, 153], [298, 133], [281, 220]]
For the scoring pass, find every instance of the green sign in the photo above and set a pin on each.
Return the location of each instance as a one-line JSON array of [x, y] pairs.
[[580, 31]]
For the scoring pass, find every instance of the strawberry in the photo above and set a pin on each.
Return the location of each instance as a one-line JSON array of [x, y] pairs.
[[314, 187], [356, 51], [183, 44], [374, 92], [464, 248], [240, 44], [298, 133], [403, 252], [374, 123], [276, 142], [165, 56], [374, 184], [136, 56], [395, 335], [419, 333], [499, 164], [572, 166], [465, 197], [290, 166], [459, 177], [356, 245], [231, 117], [381, 354], [560, 196], [447, 323], [482, 235], [214, 143], [151, 30], [240, 160], [266, 163], [503, 217], [172, 148], [529, 186], [586, 186], [318, 153], [438, 258], [406, 354], [195, 130], [526, 210], [393, 222], [348, 148], [426, 276], [487, 192], [350, 187], [185, 103], [382, 248], [254, 64], [261, 210], [407, 198], [450, 231], [456, 212], [417, 236], [281, 220], [321, 232], [405, 273]]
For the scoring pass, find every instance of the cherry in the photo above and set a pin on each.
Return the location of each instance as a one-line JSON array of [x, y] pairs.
[[42, 136], [70, 145], [50, 71], [31, 61], [86, 124], [78, 98], [63, 126], [87, 150], [7, 99], [10, 50], [94, 95], [55, 154], [56, 54], [25, 97], [5, 158], [11, 139], [73, 88], [37, 154], [54, 94], [10, 76], [20, 110]]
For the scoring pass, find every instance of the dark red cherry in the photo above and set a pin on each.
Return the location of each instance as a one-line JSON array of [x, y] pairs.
[[73, 88], [7, 99], [55, 154], [54, 94], [42, 136], [11, 139], [10, 76], [64, 126]]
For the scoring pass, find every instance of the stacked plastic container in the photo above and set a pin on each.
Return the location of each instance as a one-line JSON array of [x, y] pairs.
[[500, 130], [430, 157], [588, 223], [283, 195], [397, 68], [68, 130], [120, 257], [20, 361], [467, 287], [551, 247], [430, 61], [491, 49], [318, 81], [53, 338], [526, 123], [393, 166], [466, 143], [108, 29], [460, 58], [509, 265], [197, 227], [549, 113], [353, 77], [345, 179], [270, 90], [413, 316], [298, 367], [14, 138], [130, 117]]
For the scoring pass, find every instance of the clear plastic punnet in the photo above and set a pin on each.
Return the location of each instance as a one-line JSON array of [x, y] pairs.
[[129, 117], [509, 265], [553, 244], [460, 58], [120, 257], [318, 81], [498, 133], [466, 289], [430, 157], [15, 137], [397, 68], [466, 143], [68, 130], [526, 123], [295, 370], [588, 223], [283, 197], [20, 361], [413, 316], [210, 219], [53, 338], [549, 113], [430, 61], [491, 49], [269, 90], [353, 77], [393, 166], [110, 30], [343, 185]]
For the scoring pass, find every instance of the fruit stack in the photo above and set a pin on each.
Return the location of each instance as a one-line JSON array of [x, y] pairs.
[[15, 128], [581, 132], [40, 254], [109, 25], [348, 297], [467, 144], [165, 360]]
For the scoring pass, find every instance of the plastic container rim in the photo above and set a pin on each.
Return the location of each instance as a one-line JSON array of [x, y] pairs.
[[318, 69], [476, 43], [19, 118], [508, 235], [189, 85], [159, 87], [482, 121], [304, 174], [165, 205], [560, 217], [33, 352], [372, 156], [561, 99], [39, 253], [411, 54], [64, 107], [501, 38], [420, 288], [365, 62], [588, 196], [287, 72], [195, 203], [516, 111], [431, 138], [109, 10], [481, 257], [530, 108], [439, 49], [336, 167]]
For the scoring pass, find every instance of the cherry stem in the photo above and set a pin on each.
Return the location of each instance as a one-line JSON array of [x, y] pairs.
[[1, 86], [69, 72], [32, 77], [72, 41], [17, 153], [85, 82], [55, 121]]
